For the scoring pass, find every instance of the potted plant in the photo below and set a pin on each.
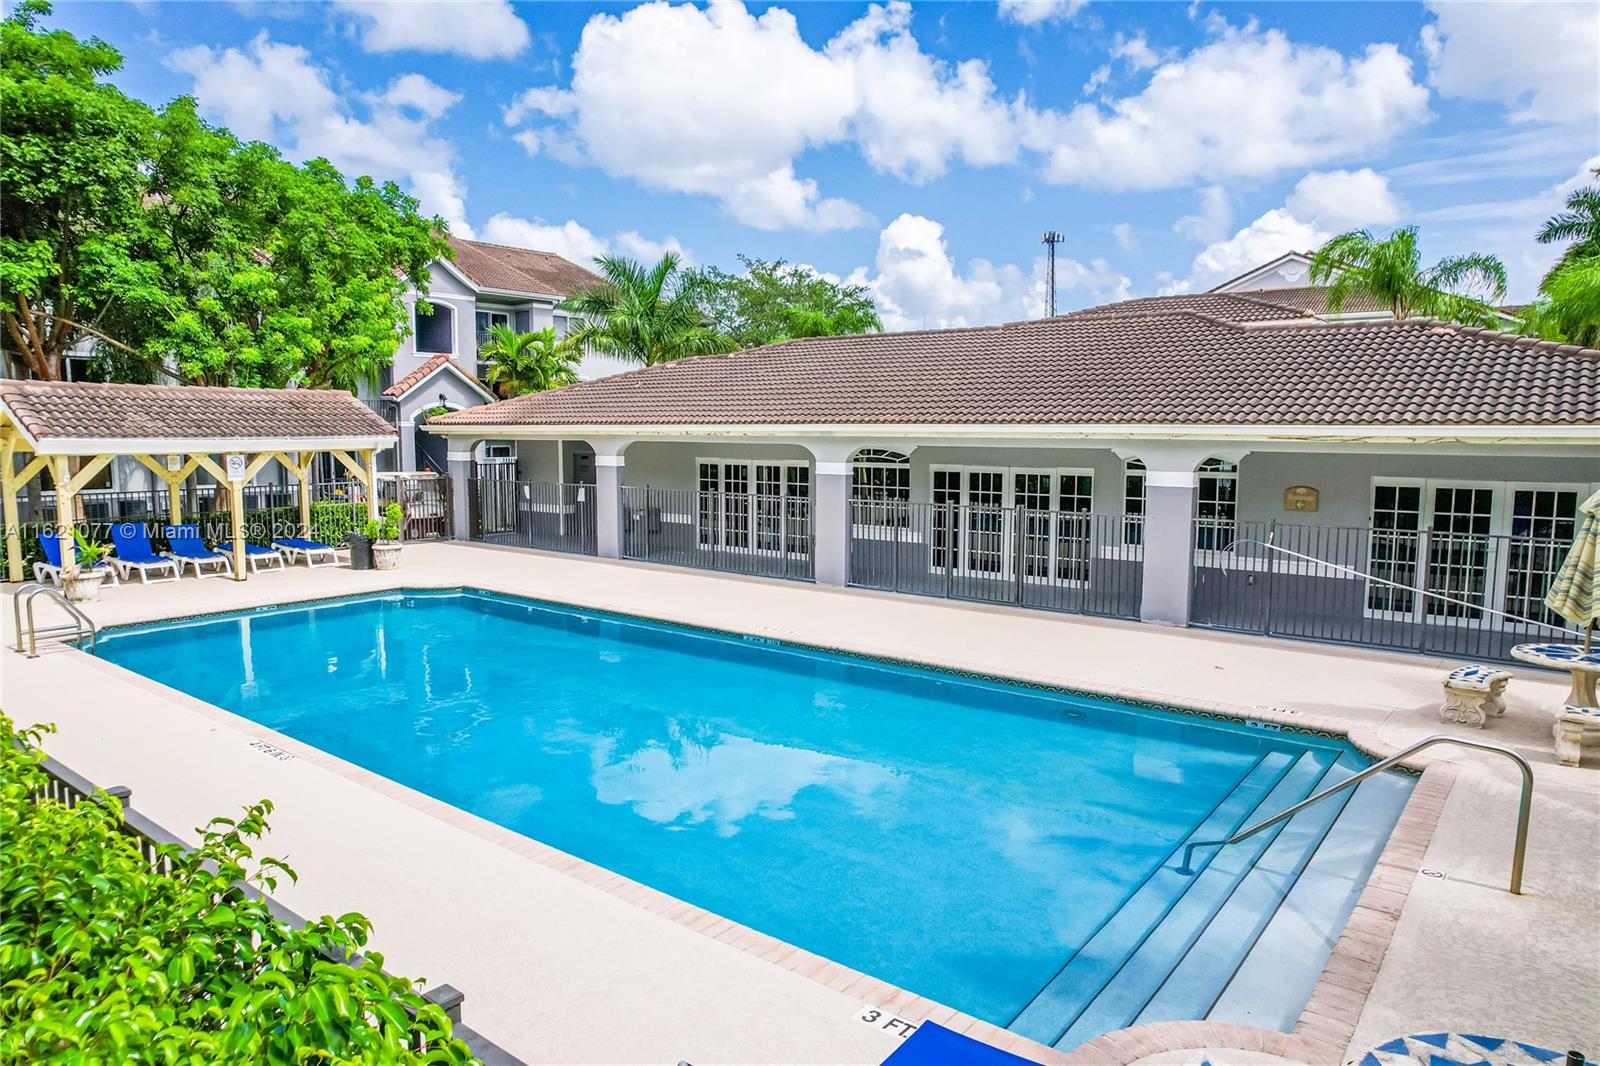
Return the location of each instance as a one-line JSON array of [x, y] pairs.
[[82, 583], [384, 535]]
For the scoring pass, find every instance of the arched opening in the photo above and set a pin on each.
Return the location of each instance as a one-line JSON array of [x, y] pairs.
[[1216, 505], [435, 333], [880, 487], [430, 448]]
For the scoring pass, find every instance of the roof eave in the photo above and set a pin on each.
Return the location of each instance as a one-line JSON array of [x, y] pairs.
[[204, 445]]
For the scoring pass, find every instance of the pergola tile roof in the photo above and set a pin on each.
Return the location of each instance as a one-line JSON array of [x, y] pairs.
[[1176, 367], [81, 410], [425, 371]]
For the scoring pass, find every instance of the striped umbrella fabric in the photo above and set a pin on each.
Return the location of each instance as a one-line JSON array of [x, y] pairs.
[[1574, 594]]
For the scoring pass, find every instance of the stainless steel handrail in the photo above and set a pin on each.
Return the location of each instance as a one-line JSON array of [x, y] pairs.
[[80, 623], [1524, 809]]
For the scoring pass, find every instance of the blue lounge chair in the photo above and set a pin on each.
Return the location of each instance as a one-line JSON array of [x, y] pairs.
[[50, 569], [133, 552], [188, 548], [259, 558], [310, 550]]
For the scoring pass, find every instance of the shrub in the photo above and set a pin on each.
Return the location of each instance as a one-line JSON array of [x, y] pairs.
[[104, 959]]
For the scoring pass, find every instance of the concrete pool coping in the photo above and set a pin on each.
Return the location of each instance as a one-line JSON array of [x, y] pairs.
[[1335, 1008]]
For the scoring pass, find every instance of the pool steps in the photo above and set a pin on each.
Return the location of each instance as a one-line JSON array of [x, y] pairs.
[[1222, 943]]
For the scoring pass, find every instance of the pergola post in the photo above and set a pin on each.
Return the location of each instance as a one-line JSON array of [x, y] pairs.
[[8, 495], [174, 498], [369, 463], [61, 473], [236, 514], [302, 474]]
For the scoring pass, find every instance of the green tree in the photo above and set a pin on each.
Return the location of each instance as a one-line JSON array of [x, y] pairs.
[[1568, 306], [1460, 288], [645, 316], [178, 247], [771, 300], [520, 363], [71, 159]]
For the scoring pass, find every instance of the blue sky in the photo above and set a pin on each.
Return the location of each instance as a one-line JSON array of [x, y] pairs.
[[918, 149]]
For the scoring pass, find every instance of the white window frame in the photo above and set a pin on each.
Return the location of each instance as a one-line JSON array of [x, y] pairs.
[[962, 545], [789, 543], [1500, 518], [878, 517], [1133, 524], [506, 318], [1216, 555]]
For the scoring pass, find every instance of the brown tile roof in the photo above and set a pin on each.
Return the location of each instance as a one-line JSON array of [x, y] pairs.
[[49, 410], [1175, 368], [1314, 298], [1227, 306], [421, 373], [500, 266]]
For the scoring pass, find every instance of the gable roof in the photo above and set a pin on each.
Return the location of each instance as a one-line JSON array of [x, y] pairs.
[[519, 270], [422, 373], [1168, 368], [66, 411], [1258, 306]]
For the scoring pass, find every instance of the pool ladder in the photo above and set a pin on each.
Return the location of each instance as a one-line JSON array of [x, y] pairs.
[[80, 626], [1523, 810]]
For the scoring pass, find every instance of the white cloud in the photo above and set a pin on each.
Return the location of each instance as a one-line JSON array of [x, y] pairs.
[[917, 285], [1033, 12], [1211, 221], [749, 97], [1340, 199], [1541, 60], [476, 29], [1250, 102], [1122, 232], [1320, 205], [574, 241], [274, 92]]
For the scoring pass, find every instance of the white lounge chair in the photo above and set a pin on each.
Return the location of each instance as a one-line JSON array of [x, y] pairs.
[[309, 550]]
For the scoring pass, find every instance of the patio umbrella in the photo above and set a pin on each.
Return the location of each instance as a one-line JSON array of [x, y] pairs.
[[1573, 593]]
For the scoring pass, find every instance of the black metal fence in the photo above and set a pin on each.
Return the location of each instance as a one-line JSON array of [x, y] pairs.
[[1452, 594], [1060, 561], [532, 514], [744, 533], [426, 502], [158, 846]]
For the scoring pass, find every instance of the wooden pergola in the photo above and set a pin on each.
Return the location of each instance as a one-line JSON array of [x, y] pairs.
[[74, 430]]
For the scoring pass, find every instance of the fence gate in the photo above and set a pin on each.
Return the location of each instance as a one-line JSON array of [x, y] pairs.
[[426, 503]]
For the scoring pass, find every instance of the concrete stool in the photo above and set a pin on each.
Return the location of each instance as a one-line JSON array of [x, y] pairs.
[[1472, 693], [1572, 722]]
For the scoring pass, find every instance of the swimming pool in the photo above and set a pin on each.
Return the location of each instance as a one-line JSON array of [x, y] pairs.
[[1005, 850]]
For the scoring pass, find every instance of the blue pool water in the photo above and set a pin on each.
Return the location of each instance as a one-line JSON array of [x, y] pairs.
[[993, 847]]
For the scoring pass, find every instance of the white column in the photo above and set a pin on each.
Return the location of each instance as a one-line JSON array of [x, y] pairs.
[[1170, 484], [458, 459], [831, 523], [608, 511]]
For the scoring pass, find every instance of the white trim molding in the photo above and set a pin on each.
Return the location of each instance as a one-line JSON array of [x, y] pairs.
[[1172, 479], [835, 469], [610, 460]]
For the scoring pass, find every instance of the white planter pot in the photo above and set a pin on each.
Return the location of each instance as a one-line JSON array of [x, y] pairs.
[[386, 555], [84, 586]]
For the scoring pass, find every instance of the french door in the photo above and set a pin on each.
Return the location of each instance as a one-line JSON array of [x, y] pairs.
[[754, 506], [1005, 522]]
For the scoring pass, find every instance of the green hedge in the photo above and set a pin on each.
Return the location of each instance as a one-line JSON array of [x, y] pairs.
[[102, 959]]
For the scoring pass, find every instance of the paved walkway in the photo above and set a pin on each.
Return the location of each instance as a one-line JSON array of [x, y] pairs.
[[560, 970]]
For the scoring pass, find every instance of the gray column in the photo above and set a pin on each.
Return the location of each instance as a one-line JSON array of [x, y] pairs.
[[461, 487], [608, 513], [831, 524], [1168, 546]]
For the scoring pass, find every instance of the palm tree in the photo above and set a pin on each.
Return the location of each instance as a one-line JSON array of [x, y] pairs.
[[1462, 288], [1579, 223], [645, 316], [520, 363]]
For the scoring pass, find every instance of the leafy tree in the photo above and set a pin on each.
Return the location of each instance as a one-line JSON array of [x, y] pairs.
[[180, 248], [520, 363], [1461, 288], [772, 300], [104, 958], [71, 153], [645, 316], [1568, 306]]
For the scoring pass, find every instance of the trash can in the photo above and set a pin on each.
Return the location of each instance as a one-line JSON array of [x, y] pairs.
[[360, 551]]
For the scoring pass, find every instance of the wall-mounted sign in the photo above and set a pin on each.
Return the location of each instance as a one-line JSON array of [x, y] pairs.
[[1301, 498], [174, 463], [236, 465]]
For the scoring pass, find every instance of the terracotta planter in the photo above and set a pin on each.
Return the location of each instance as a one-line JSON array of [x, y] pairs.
[[84, 585], [385, 555]]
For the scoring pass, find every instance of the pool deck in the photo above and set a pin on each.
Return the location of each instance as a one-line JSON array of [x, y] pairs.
[[562, 961]]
